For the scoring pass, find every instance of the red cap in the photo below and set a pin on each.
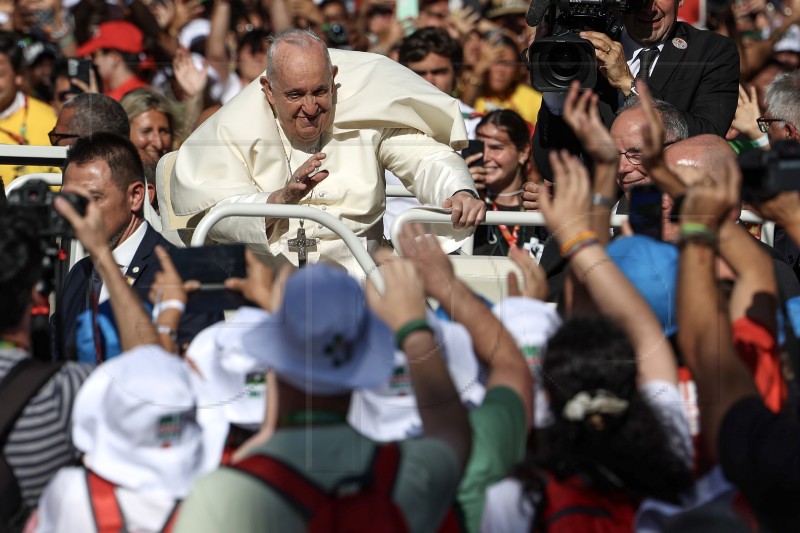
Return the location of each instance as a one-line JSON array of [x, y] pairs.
[[116, 35]]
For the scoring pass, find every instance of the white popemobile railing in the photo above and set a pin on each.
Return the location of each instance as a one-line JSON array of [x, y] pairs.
[[46, 156], [292, 211], [50, 178]]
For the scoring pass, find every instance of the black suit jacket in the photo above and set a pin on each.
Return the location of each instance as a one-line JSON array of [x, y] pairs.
[[142, 270], [701, 80]]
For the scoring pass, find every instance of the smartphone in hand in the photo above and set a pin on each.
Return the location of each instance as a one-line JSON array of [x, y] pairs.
[[474, 147]]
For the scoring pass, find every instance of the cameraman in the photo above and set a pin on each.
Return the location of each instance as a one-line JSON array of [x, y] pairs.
[[695, 70], [38, 442]]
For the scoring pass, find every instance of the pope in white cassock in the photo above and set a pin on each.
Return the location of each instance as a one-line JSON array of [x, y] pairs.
[[342, 118]]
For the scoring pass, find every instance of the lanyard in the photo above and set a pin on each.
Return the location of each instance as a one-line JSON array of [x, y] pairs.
[[20, 138], [510, 237]]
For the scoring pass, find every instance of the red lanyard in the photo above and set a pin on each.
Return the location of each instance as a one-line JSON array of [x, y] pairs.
[[510, 237], [20, 138]]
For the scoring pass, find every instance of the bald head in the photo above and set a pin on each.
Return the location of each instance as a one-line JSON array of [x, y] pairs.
[[708, 153]]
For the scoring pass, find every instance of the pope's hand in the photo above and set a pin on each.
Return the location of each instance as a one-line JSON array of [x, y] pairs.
[[302, 182], [467, 210]]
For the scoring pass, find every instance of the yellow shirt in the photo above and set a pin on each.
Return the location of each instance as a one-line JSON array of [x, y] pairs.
[[29, 124], [525, 100]]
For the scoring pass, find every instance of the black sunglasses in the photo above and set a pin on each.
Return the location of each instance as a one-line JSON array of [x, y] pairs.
[[56, 138]]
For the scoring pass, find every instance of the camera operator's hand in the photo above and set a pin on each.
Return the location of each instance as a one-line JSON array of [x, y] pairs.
[[611, 60], [89, 230]]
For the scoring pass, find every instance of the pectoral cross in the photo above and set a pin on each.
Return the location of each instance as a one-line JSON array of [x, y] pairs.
[[301, 245]]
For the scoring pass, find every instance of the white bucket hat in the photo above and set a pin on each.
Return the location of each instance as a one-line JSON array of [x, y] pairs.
[[230, 387], [323, 340], [389, 412], [531, 323], [134, 418]]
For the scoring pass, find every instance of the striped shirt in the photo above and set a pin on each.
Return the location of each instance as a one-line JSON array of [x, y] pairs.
[[39, 444]]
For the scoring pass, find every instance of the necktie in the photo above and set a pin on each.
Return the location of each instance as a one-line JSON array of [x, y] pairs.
[[97, 285], [646, 58]]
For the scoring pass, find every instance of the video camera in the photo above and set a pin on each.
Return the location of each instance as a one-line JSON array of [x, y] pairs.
[[37, 199], [766, 174], [555, 61]]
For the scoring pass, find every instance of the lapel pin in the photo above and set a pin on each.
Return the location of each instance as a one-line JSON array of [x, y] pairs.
[[679, 43], [135, 270]]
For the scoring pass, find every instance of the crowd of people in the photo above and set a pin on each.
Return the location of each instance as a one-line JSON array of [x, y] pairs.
[[640, 377]]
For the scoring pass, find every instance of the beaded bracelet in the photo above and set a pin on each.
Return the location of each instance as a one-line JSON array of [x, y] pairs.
[[694, 231], [577, 247], [409, 328], [582, 236]]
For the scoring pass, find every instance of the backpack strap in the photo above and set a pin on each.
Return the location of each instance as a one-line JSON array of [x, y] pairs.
[[108, 517], [173, 516], [303, 494], [19, 385], [385, 466]]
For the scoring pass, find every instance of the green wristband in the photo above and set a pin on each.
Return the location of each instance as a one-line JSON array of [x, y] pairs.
[[409, 328], [697, 231]]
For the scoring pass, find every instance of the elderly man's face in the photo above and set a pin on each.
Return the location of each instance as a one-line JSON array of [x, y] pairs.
[[627, 135], [653, 22], [303, 91]]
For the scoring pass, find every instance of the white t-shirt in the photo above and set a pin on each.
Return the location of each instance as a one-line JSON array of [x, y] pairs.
[[65, 508]]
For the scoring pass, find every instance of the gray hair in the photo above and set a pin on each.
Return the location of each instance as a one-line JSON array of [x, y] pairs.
[[782, 97], [95, 113], [305, 39], [675, 126]]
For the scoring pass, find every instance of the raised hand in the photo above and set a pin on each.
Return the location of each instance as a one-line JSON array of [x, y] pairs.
[[433, 266], [302, 182], [567, 214], [532, 274], [709, 201], [404, 297], [582, 115], [191, 79]]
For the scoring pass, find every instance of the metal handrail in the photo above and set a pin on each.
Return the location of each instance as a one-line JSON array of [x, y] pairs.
[[492, 218], [292, 211], [529, 219], [50, 178], [52, 156]]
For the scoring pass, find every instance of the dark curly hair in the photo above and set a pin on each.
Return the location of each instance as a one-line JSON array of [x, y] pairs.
[[424, 41], [20, 264], [627, 452]]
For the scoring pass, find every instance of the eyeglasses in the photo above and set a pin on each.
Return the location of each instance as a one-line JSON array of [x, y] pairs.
[[764, 123], [634, 155], [56, 138]]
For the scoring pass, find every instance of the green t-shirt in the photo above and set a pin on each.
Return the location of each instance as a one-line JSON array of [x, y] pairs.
[[228, 500], [499, 437]]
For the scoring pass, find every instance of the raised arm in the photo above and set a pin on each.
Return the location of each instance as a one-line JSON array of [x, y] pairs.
[[613, 294], [704, 327], [582, 115], [402, 305], [135, 326], [493, 344]]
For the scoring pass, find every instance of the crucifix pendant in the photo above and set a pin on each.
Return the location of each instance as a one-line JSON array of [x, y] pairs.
[[301, 245]]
